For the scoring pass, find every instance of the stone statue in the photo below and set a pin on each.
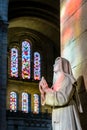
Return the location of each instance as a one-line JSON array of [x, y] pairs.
[[62, 96]]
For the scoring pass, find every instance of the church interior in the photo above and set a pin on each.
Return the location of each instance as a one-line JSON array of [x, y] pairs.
[[32, 34]]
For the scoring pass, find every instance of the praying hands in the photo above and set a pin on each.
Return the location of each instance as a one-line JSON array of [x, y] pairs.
[[43, 85]]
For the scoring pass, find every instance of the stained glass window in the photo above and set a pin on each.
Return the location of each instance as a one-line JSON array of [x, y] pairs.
[[36, 104], [25, 60], [13, 101], [14, 62], [25, 102], [37, 66]]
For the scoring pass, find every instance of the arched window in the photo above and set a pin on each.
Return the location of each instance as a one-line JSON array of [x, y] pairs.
[[14, 62], [13, 101], [36, 103], [25, 102], [37, 66], [27, 69], [25, 60]]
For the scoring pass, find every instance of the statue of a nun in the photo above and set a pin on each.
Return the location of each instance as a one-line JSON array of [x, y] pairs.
[[62, 96]]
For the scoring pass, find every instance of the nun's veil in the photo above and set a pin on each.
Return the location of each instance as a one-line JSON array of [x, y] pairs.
[[65, 67]]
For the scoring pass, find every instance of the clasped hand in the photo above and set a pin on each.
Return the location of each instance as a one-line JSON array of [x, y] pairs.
[[43, 85]]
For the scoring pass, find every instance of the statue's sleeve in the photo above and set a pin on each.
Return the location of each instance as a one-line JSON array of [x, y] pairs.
[[63, 95]]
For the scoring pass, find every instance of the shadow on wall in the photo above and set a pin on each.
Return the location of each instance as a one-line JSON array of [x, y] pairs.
[[83, 97], [81, 84]]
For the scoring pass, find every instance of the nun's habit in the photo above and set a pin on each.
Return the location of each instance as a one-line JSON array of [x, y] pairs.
[[65, 115]]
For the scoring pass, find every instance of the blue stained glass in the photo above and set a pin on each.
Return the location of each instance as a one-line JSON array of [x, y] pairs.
[[13, 101], [25, 60], [36, 104], [25, 102], [14, 62], [37, 66]]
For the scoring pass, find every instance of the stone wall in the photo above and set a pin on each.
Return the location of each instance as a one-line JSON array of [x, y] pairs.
[[74, 45]]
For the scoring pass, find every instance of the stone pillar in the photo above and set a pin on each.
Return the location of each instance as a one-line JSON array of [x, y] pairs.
[[3, 61]]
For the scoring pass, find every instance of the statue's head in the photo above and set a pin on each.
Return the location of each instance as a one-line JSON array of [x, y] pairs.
[[62, 64]]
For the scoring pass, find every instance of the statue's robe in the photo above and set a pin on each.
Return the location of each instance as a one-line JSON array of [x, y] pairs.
[[66, 106]]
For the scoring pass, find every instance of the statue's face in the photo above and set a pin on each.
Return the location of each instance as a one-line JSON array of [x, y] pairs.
[[58, 71], [56, 66]]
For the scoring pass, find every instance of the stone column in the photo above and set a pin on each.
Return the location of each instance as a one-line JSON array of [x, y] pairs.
[[3, 61]]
